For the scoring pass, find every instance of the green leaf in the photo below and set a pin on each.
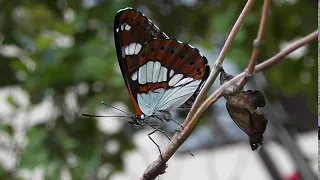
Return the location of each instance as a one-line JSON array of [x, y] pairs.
[[52, 170], [34, 154]]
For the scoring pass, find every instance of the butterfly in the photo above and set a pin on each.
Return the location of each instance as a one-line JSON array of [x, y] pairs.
[[161, 73]]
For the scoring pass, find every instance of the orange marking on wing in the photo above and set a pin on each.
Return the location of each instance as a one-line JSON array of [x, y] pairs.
[[152, 86], [171, 44], [132, 63], [198, 74], [179, 54], [133, 100]]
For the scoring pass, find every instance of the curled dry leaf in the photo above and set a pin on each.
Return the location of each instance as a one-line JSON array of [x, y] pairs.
[[242, 107]]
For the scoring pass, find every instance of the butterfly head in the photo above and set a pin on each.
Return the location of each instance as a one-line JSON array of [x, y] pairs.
[[136, 121]]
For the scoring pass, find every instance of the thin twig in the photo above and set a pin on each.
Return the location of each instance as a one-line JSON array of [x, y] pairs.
[[259, 40], [261, 67], [257, 44], [189, 124], [217, 65]]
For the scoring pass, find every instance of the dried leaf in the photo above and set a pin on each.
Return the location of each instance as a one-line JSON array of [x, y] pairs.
[[242, 108]]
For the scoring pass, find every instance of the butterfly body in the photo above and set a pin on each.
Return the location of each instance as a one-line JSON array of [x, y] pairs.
[[161, 73], [156, 120]]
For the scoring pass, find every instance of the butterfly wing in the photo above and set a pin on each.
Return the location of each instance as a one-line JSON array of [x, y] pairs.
[[167, 74], [131, 31], [160, 73]]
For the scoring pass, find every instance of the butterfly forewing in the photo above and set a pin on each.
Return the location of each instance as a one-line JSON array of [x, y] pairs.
[[131, 31], [131, 26], [160, 73]]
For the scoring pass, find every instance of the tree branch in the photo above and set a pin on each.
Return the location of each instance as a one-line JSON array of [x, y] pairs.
[[261, 67], [189, 124], [158, 166], [257, 44], [218, 64]]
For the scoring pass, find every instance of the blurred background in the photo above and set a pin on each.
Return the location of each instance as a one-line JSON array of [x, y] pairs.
[[58, 59]]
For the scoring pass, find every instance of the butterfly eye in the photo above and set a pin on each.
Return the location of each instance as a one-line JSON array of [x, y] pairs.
[[162, 48], [191, 63], [152, 49], [132, 19], [172, 51], [138, 23]]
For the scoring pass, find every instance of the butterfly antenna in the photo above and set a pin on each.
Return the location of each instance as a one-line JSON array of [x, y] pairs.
[[102, 102], [89, 115]]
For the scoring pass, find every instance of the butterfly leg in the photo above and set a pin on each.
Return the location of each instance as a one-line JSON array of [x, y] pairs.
[[178, 123], [171, 120], [167, 136], [149, 135]]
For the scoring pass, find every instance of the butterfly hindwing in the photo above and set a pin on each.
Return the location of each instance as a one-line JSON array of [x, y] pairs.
[[169, 72]]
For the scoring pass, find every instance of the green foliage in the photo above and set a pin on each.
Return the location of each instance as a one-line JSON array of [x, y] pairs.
[[64, 46], [33, 154]]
